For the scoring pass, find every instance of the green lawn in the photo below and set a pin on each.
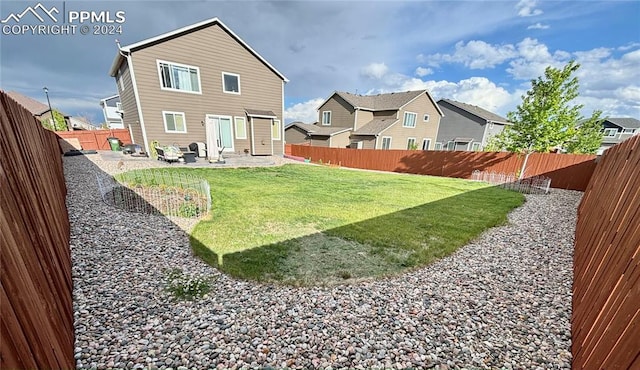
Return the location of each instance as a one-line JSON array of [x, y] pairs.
[[319, 225]]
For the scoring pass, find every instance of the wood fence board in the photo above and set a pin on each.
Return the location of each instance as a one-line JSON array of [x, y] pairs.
[[606, 307], [566, 171], [37, 306]]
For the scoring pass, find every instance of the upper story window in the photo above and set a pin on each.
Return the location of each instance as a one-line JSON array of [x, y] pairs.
[[628, 130], [409, 119], [610, 132], [118, 107], [326, 118], [231, 83], [425, 118], [179, 77]]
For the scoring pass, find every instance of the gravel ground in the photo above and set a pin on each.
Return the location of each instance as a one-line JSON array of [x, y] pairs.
[[503, 301]]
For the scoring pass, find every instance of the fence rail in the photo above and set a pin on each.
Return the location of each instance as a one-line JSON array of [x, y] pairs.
[[36, 290], [566, 171], [605, 322]]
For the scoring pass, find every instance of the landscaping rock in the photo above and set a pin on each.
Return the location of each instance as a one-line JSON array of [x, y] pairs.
[[502, 301]]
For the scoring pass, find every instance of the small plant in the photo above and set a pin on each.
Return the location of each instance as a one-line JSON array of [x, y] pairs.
[[152, 148], [188, 209], [182, 286]]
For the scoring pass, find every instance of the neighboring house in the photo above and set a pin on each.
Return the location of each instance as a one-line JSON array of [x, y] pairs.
[[201, 83], [80, 123], [42, 112], [466, 127], [112, 110], [39, 110], [400, 120], [616, 130], [312, 134]]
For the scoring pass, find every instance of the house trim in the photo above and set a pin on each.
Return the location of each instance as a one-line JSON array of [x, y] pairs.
[[239, 92], [138, 103], [158, 61], [322, 118], [235, 127], [415, 122], [164, 121]]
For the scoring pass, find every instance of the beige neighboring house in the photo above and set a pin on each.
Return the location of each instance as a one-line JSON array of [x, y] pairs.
[[201, 84], [315, 135], [399, 120], [42, 112]]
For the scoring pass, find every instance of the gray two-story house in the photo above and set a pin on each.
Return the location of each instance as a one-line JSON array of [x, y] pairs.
[[616, 130], [466, 127], [201, 83]]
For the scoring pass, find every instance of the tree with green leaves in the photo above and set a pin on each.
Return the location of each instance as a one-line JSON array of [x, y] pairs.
[[58, 124], [546, 119]]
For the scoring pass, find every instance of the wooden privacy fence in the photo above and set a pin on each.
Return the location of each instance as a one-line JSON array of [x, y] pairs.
[[566, 171], [96, 139], [605, 322], [36, 291]]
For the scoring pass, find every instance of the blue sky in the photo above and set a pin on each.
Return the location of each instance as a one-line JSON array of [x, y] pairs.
[[478, 52]]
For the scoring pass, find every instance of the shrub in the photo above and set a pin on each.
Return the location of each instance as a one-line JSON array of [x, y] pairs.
[[185, 287]]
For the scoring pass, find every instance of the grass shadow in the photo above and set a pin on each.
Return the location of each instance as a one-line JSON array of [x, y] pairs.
[[371, 248]]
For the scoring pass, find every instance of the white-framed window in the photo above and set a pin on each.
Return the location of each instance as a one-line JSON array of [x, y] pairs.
[[231, 83], [438, 146], [179, 77], [451, 145], [241, 127], [425, 118], [409, 119], [326, 118], [610, 132], [411, 143], [476, 146], [386, 142], [426, 143], [118, 107], [628, 130], [275, 129], [174, 122]]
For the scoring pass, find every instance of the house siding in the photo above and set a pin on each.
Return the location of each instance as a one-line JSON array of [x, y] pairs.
[[340, 140], [260, 87], [368, 142], [363, 117], [130, 118], [294, 135], [458, 123], [421, 105], [342, 113]]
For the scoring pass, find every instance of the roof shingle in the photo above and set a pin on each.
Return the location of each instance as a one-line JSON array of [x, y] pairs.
[[376, 126], [391, 101], [35, 107], [476, 111]]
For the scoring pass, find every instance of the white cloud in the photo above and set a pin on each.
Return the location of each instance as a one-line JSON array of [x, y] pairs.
[[305, 112], [538, 26], [475, 54], [526, 8], [421, 71], [374, 70]]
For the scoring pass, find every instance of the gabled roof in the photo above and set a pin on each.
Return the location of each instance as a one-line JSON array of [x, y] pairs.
[[313, 130], [381, 102], [119, 58], [35, 107], [476, 111], [376, 126], [112, 97], [624, 122]]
